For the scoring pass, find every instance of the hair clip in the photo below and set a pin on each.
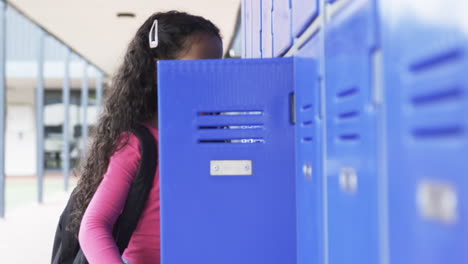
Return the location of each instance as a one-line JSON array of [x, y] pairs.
[[153, 35]]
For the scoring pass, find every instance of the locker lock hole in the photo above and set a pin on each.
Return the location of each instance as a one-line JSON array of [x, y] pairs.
[[348, 180], [307, 170], [437, 201]]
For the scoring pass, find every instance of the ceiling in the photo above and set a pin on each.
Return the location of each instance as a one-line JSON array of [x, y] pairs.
[[93, 30]]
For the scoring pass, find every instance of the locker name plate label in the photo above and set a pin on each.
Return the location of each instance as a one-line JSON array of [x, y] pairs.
[[230, 167]]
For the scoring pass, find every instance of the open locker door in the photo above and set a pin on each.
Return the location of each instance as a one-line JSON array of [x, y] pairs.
[[227, 161]]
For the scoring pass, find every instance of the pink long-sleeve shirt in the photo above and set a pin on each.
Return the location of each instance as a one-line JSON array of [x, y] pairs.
[[95, 235]]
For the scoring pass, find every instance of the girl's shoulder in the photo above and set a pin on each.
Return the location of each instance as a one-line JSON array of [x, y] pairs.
[[128, 145], [129, 142]]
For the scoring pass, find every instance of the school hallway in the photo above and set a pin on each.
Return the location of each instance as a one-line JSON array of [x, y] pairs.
[[286, 131], [27, 233]]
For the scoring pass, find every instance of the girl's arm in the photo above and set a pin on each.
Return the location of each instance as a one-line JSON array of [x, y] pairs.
[[95, 235]]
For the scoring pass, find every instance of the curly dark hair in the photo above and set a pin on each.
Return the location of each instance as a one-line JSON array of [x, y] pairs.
[[132, 97]]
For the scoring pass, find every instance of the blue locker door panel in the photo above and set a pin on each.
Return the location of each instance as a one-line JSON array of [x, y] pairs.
[[303, 12], [426, 62], [352, 164], [248, 24], [309, 158], [256, 29], [282, 37], [267, 40], [204, 105]]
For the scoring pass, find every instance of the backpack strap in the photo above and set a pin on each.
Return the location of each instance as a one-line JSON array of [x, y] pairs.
[[139, 190], [65, 242]]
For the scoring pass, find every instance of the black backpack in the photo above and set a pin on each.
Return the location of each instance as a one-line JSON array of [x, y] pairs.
[[66, 249]]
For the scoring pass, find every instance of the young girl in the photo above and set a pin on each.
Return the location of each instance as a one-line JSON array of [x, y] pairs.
[[114, 156]]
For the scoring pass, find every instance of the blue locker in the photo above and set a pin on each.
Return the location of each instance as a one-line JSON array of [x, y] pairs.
[[352, 142], [256, 29], [427, 119], [313, 47], [236, 111], [267, 38], [309, 153], [282, 37], [248, 25], [303, 13]]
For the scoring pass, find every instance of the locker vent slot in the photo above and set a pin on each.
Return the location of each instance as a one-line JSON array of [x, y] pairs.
[[347, 93], [234, 113], [451, 95], [444, 101], [438, 132], [307, 123], [437, 60], [348, 115], [221, 130], [306, 116], [232, 127], [307, 107], [235, 141], [349, 137]]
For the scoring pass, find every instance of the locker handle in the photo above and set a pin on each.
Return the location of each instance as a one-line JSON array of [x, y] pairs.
[[292, 108]]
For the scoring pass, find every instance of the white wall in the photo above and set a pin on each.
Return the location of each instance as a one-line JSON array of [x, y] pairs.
[[20, 158]]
